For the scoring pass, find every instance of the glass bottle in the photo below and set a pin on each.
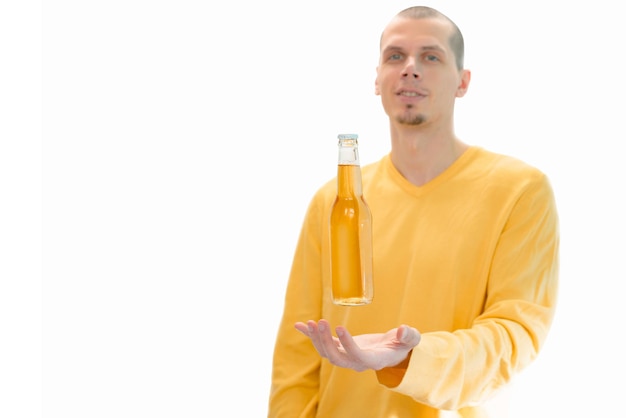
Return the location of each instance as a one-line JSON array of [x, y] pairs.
[[350, 231]]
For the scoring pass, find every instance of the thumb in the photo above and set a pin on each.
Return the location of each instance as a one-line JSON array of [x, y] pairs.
[[409, 336]]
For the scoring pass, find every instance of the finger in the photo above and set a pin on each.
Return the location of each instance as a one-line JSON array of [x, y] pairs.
[[310, 330], [302, 327], [316, 338], [328, 344], [348, 343], [408, 336], [354, 356]]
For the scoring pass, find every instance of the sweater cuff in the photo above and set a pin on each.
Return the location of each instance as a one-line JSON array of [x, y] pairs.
[[392, 376]]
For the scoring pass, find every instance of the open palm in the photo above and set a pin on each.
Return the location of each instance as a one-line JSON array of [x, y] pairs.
[[361, 352]]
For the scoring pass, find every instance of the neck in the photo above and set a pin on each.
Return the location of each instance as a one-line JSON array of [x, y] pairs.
[[421, 155]]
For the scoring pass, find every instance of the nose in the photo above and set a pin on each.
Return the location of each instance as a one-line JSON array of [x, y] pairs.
[[411, 70]]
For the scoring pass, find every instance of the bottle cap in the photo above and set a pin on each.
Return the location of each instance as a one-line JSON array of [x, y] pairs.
[[348, 139]]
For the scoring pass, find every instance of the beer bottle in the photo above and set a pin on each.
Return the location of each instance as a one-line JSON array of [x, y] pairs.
[[350, 231]]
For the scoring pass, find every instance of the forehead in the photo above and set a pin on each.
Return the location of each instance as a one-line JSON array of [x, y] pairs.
[[405, 32]]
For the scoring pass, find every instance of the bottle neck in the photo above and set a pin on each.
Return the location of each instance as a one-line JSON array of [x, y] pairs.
[[348, 151], [349, 169]]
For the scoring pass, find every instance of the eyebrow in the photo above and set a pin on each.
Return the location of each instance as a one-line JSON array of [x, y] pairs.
[[424, 48], [433, 48]]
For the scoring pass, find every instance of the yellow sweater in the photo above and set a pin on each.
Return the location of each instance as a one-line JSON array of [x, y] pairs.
[[469, 259]]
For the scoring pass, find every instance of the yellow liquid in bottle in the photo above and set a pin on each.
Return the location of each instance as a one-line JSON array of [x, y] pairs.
[[350, 243]]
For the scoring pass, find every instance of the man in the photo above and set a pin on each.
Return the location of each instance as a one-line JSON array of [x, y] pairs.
[[465, 259]]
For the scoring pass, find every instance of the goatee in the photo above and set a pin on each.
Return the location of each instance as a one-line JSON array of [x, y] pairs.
[[411, 119]]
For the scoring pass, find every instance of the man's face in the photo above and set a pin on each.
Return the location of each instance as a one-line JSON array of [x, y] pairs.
[[417, 77]]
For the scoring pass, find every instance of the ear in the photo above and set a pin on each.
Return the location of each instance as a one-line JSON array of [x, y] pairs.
[[376, 88], [466, 76]]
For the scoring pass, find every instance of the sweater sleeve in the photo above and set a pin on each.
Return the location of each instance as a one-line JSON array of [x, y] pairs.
[[295, 375], [452, 370]]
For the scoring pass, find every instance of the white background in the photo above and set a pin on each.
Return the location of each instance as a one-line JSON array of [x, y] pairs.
[[156, 159]]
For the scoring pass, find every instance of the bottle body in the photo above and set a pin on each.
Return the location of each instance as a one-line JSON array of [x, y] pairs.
[[350, 232]]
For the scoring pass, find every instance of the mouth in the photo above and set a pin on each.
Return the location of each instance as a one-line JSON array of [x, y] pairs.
[[410, 97], [410, 93]]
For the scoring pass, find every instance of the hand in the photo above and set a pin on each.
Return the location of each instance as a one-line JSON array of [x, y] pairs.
[[361, 352]]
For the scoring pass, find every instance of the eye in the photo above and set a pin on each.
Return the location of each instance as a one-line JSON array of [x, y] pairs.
[[394, 56], [431, 58]]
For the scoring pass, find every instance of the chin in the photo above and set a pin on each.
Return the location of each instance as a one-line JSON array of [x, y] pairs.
[[412, 120]]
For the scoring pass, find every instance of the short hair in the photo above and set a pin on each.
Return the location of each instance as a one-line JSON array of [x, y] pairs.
[[456, 39]]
